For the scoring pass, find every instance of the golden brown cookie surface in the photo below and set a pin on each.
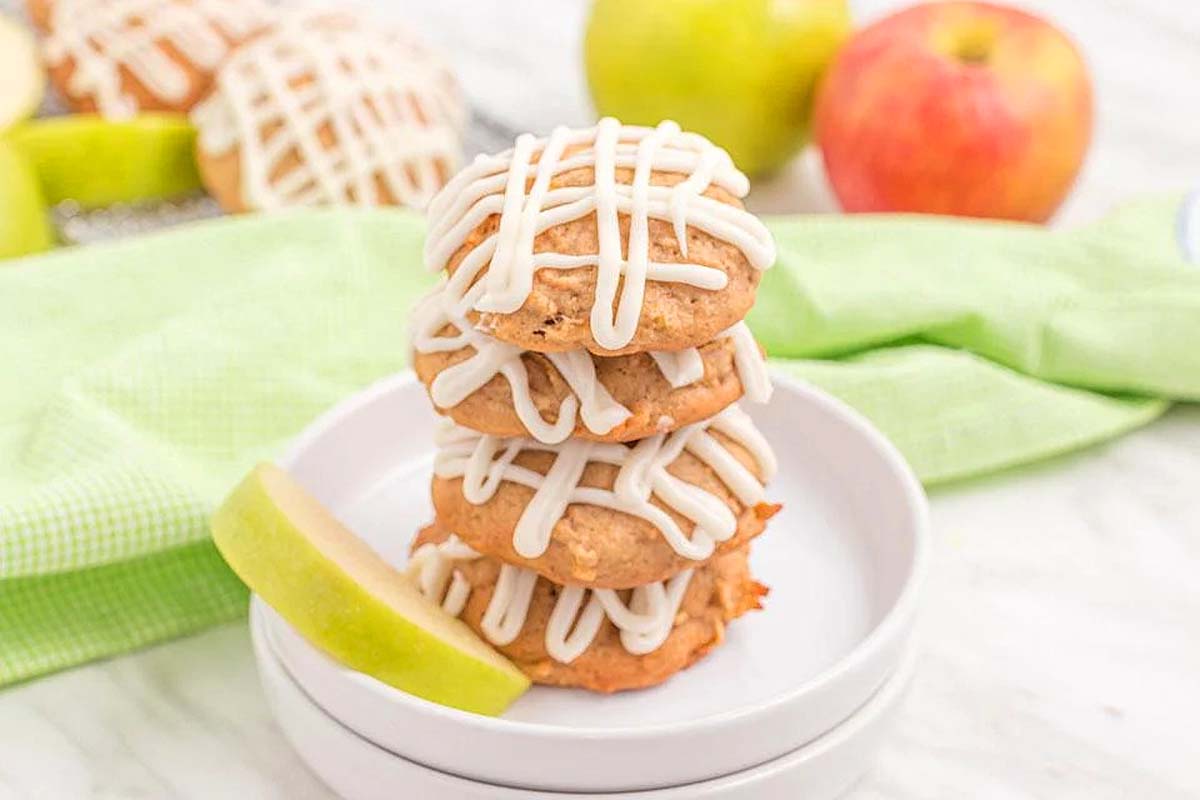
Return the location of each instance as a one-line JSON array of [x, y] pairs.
[[327, 109], [717, 593], [556, 315], [590, 544], [39, 13], [121, 57], [634, 382], [601, 253]]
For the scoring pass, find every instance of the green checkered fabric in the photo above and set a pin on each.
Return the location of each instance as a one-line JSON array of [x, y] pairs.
[[142, 378]]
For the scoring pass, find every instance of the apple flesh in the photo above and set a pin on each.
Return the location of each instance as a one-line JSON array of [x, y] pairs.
[[342, 597], [22, 79], [957, 108], [741, 72]]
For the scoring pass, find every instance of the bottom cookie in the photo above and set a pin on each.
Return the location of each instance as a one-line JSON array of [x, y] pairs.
[[602, 640]]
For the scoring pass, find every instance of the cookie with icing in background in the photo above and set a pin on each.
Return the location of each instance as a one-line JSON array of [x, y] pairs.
[[607, 515], [121, 57], [601, 640], [39, 13], [500, 389], [330, 108], [617, 239]]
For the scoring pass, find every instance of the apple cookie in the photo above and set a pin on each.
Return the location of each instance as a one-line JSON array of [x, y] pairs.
[[39, 13], [601, 514], [617, 239], [597, 639], [501, 390], [119, 57], [329, 109]]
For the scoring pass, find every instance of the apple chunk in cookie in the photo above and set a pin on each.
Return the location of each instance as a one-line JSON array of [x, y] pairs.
[[500, 389], [597, 639], [603, 514], [617, 239]]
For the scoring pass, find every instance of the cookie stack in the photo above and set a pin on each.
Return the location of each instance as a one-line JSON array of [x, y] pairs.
[[596, 485]]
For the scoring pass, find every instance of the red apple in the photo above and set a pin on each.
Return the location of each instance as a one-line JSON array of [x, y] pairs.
[[959, 108]]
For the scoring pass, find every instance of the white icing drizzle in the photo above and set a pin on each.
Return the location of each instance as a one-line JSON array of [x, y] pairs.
[[498, 185], [483, 462], [590, 401], [751, 367], [644, 623], [680, 367], [391, 106], [103, 37]]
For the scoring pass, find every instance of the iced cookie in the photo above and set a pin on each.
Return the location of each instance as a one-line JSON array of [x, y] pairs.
[[499, 389], [604, 514], [329, 109], [119, 57], [616, 239], [597, 639], [39, 13]]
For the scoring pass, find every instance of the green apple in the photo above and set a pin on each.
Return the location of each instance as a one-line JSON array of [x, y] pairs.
[[98, 162], [341, 596], [741, 72], [24, 218], [22, 79]]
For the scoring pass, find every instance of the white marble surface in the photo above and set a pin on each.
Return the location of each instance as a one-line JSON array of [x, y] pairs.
[[1061, 632]]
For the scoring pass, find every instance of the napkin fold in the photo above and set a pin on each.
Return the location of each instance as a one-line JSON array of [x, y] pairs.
[[142, 378]]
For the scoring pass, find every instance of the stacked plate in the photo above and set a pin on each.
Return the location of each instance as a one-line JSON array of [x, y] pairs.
[[793, 704]]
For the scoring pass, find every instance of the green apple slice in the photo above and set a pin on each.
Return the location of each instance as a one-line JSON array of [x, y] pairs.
[[22, 80], [24, 219], [342, 597], [98, 162]]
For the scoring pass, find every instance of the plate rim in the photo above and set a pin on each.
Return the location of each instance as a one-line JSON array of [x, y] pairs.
[[897, 618], [884, 701]]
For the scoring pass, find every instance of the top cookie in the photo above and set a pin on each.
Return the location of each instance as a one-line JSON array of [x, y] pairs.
[[618, 239]]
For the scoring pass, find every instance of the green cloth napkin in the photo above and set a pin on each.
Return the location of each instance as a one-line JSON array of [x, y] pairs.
[[142, 378]]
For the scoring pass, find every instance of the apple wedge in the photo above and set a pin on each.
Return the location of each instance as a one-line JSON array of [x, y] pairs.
[[98, 162], [346, 600], [22, 79], [24, 219]]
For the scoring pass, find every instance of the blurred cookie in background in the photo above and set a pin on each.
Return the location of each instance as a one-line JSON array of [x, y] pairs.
[[120, 57], [330, 108], [39, 13]]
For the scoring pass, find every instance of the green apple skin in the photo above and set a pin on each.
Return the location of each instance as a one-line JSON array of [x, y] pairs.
[[741, 72], [342, 597], [24, 219], [98, 162]]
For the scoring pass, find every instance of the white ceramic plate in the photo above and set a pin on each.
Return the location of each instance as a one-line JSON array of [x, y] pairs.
[[843, 561], [358, 770]]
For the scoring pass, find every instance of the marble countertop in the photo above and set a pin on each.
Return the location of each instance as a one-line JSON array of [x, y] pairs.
[[1061, 628]]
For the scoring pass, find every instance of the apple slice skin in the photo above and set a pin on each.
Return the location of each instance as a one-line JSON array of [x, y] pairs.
[[360, 619], [98, 162], [24, 219]]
